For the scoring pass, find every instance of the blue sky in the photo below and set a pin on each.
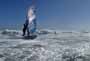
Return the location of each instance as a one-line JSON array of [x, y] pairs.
[[57, 14]]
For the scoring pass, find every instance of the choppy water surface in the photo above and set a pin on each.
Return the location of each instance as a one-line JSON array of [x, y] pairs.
[[60, 46]]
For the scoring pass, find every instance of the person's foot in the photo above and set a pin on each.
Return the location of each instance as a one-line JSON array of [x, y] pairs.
[[23, 34]]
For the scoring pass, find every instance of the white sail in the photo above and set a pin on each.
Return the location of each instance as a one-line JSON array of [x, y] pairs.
[[31, 15]]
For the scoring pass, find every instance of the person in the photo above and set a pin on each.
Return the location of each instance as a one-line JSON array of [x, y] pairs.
[[30, 24], [25, 27]]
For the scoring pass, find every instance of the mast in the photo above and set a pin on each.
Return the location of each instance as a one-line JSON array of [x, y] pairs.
[[35, 21], [33, 2]]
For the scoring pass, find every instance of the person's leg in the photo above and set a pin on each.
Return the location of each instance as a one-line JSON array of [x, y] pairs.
[[28, 31], [24, 30]]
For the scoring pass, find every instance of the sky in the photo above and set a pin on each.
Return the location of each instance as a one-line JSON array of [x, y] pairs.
[[54, 14]]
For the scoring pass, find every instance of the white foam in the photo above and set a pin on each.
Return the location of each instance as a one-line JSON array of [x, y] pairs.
[[62, 46]]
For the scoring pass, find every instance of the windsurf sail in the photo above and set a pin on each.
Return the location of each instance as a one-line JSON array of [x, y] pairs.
[[31, 19], [31, 15]]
